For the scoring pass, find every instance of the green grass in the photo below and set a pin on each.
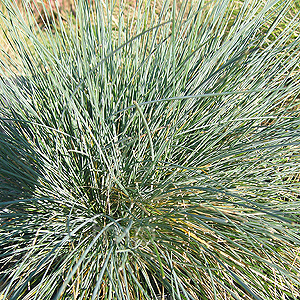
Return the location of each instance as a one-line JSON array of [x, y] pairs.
[[158, 155]]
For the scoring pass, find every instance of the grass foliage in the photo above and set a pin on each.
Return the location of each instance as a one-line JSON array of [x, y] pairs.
[[151, 155]]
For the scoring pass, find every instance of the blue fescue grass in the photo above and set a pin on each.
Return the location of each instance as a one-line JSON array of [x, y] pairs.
[[153, 156]]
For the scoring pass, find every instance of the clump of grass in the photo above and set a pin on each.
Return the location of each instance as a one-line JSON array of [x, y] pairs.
[[153, 157]]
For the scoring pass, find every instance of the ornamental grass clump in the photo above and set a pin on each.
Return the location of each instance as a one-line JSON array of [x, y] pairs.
[[150, 155]]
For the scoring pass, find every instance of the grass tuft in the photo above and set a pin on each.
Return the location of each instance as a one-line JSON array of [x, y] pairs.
[[150, 156]]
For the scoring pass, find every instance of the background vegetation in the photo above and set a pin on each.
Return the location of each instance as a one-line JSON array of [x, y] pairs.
[[150, 154]]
